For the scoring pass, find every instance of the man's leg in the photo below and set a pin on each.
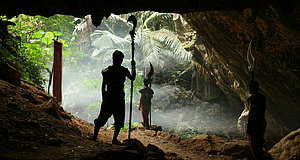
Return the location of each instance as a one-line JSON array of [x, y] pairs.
[[96, 129], [147, 109], [145, 114], [260, 147], [115, 137], [119, 117], [256, 144], [101, 120]]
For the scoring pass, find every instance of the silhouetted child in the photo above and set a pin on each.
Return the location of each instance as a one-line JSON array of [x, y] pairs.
[[145, 102], [256, 121], [113, 102]]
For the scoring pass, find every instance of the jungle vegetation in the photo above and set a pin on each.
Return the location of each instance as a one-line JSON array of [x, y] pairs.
[[87, 50], [29, 47]]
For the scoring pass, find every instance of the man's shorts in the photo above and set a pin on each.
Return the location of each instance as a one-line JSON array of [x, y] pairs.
[[112, 106]]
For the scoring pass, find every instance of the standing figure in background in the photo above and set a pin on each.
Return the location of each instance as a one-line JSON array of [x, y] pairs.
[[145, 102], [113, 96], [256, 121]]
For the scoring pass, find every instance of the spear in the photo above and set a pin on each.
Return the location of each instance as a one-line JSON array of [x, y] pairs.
[[132, 33], [251, 61], [149, 76]]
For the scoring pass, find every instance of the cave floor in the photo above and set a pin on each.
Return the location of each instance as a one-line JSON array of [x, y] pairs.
[[33, 126]]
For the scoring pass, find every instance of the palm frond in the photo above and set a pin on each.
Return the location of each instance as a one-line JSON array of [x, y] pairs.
[[172, 43], [116, 25], [163, 19], [157, 45], [105, 43]]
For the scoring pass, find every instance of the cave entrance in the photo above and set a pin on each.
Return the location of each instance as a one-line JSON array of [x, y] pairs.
[[186, 101]]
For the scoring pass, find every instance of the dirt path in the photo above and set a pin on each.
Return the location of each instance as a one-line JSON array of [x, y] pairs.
[[165, 141]]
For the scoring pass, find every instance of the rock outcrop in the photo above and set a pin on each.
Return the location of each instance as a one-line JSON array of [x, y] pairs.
[[10, 74], [217, 146], [288, 148], [275, 37]]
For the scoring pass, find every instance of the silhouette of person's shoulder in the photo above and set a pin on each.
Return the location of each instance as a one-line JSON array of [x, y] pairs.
[[262, 97], [258, 96], [104, 70], [115, 72], [146, 90]]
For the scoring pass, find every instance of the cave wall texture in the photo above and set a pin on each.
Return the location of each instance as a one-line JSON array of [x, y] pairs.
[[225, 27], [275, 45]]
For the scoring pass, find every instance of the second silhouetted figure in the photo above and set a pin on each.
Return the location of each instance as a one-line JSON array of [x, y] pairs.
[[256, 120]]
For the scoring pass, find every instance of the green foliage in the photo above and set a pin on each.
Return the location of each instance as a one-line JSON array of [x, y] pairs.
[[94, 106], [155, 41], [174, 73], [189, 133], [157, 21], [27, 58], [188, 45], [184, 130], [126, 126], [105, 43], [34, 63], [48, 38], [160, 44], [34, 52], [92, 84], [92, 111], [138, 84]]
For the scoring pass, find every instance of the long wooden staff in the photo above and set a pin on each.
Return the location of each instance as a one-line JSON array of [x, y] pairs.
[[132, 33]]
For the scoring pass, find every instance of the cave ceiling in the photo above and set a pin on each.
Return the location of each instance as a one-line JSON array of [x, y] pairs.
[[103, 8]]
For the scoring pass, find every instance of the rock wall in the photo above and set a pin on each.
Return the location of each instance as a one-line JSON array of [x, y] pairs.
[[288, 148], [275, 45], [100, 8]]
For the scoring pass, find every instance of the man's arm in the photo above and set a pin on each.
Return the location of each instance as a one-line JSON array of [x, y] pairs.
[[104, 83], [141, 99], [133, 72]]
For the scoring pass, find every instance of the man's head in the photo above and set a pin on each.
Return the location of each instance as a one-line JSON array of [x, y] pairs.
[[118, 57], [147, 81], [253, 86]]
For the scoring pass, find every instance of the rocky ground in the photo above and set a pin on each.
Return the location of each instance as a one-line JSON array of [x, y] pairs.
[[33, 126]]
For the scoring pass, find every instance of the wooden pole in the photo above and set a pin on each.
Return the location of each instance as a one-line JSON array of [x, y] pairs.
[[132, 33]]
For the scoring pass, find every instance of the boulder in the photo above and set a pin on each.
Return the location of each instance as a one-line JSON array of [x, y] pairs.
[[215, 145], [134, 144], [237, 149], [153, 152], [10, 74], [288, 148]]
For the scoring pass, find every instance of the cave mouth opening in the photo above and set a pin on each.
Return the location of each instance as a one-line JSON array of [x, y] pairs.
[[178, 106]]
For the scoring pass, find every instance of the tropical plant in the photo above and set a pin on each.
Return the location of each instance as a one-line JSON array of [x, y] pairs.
[[156, 21], [158, 46], [34, 50], [24, 56], [155, 41], [104, 43], [126, 126]]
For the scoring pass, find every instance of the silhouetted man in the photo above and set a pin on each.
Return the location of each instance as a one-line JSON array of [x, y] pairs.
[[256, 120], [145, 102], [113, 102]]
